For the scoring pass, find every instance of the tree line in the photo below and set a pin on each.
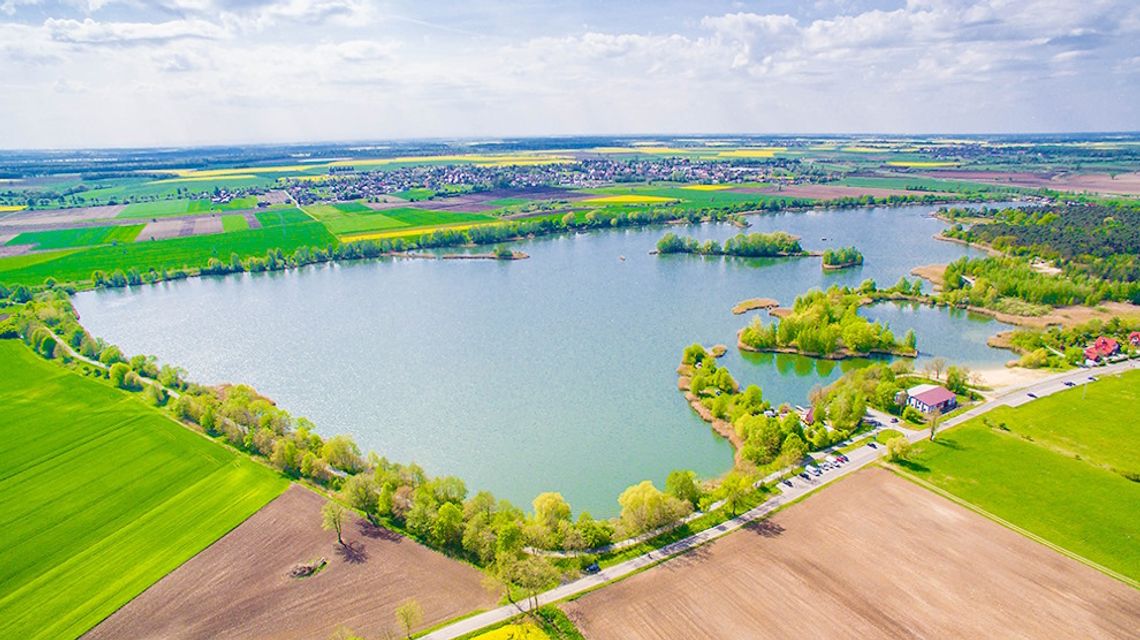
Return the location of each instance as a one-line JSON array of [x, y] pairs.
[[750, 245]]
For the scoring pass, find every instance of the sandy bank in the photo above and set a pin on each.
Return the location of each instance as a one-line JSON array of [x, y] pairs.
[[751, 304]]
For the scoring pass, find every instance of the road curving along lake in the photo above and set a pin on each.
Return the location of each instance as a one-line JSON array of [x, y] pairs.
[[549, 374]]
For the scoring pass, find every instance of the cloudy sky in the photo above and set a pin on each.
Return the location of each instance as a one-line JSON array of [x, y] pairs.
[[93, 73]]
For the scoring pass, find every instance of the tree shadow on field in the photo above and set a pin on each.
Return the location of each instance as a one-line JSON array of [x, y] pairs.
[[765, 528], [376, 532], [915, 467], [948, 443], [352, 552]]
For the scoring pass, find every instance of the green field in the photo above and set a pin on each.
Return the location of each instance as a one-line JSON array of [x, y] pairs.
[[81, 237], [172, 188], [183, 207], [344, 218], [919, 184], [278, 217], [234, 223], [101, 496], [189, 252], [1050, 470]]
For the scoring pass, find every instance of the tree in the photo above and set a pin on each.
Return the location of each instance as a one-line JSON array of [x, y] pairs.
[[332, 519], [409, 615], [898, 448], [935, 367], [935, 418], [683, 485], [733, 489], [550, 508], [644, 507], [534, 575]]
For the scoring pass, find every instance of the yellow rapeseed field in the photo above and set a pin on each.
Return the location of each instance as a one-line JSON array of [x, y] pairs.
[[525, 631], [8, 208], [628, 199], [707, 187]]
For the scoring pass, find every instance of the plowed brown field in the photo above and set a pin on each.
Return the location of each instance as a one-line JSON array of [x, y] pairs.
[[872, 557], [239, 587]]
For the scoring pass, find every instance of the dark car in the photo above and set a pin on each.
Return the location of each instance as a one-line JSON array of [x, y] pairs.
[[787, 483], [805, 475], [593, 568], [894, 420], [872, 445], [1070, 383], [1032, 395]]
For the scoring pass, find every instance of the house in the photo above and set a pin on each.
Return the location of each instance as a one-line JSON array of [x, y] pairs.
[[930, 397], [1134, 338], [1102, 347]]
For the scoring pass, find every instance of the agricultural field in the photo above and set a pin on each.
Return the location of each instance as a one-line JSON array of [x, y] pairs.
[[234, 223], [353, 221], [78, 237], [162, 208], [175, 253], [1054, 467], [101, 496], [873, 556], [240, 588]]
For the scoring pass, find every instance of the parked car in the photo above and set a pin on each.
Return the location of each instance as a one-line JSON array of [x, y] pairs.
[[815, 471], [593, 568], [1092, 378], [1070, 383], [894, 420], [842, 458], [872, 445], [1032, 395], [805, 475]]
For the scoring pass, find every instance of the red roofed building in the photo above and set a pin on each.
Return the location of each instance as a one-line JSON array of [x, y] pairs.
[[1102, 347], [929, 397], [1134, 338]]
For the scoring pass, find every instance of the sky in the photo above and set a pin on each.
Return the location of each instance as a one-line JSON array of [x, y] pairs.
[[121, 73]]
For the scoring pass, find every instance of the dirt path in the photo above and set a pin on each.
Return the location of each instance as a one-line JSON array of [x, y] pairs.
[[239, 587], [875, 556]]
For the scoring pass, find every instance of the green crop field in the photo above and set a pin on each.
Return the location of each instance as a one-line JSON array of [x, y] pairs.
[[347, 218], [172, 188], [81, 237], [183, 207], [189, 252], [101, 496], [1052, 470], [413, 195], [278, 217], [234, 223], [919, 185]]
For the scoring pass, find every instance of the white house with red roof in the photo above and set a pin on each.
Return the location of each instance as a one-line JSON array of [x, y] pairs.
[[930, 397], [1102, 347]]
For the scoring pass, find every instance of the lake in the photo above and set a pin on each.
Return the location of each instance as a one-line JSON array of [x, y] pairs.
[[555, 373]]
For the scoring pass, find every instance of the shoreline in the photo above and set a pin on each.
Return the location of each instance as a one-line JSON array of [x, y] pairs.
[[753, 304], [842, 354]]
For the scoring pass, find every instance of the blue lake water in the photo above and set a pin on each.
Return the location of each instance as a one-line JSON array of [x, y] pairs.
[[553, 373]]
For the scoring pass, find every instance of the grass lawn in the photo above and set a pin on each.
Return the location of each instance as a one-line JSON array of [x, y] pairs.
[[189, 252], [278, 217], [234, 223], [101, 496], [81, 237], [1029, 476]]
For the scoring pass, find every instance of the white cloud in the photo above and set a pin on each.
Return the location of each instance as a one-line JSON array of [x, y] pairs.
[[89, 31]]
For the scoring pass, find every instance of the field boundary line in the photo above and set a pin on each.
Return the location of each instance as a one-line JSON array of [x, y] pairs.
[[1135, 584]]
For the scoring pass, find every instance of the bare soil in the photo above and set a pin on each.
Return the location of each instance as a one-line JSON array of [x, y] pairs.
[[874, 556], [1123, 183], [58, 218], [240, 587]]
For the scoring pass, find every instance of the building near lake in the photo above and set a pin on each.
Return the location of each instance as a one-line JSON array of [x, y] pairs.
[[931, 397], [1102, 347]]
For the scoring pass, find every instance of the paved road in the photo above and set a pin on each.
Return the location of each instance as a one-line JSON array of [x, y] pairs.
[[798, 488]]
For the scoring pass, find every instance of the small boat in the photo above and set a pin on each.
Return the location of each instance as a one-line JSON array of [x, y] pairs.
[[622, 258]]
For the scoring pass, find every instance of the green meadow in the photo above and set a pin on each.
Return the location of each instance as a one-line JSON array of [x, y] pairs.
[[101, 496], [234, 223], [175, 253], [920, 184], [1052, 467], [81, 237], [345, 218], [185, 206], [172, 188]]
